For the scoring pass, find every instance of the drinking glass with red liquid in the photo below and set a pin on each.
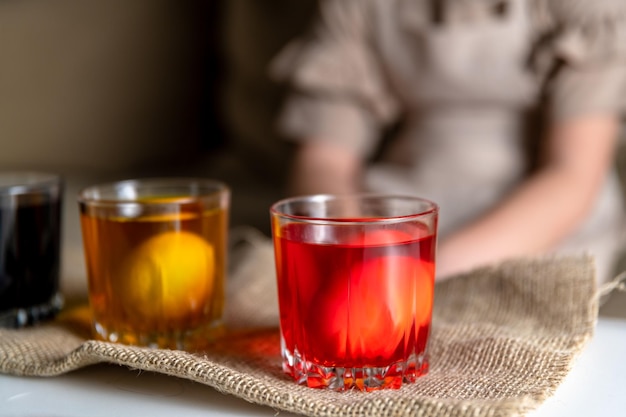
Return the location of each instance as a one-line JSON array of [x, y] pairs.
[[355, 285]]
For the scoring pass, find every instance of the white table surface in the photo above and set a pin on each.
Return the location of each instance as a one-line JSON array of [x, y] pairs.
[[595, 387]]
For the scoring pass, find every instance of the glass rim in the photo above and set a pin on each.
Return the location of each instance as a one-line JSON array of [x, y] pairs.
[[217, 187], [27, 182], [432, 208]]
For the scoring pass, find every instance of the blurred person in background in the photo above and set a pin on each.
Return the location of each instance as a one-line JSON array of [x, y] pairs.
[[504, 112]]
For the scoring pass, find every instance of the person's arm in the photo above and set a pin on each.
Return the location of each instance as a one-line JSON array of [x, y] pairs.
[[321, 167], [545, 208]]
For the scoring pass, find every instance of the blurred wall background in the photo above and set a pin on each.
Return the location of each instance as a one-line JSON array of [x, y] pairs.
[[103, 86], [103, 90]]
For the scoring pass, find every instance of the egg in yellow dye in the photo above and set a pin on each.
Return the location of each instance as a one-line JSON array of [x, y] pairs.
[[170, 276]]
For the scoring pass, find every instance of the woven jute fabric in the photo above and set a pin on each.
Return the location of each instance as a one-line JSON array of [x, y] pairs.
[[503, 339]]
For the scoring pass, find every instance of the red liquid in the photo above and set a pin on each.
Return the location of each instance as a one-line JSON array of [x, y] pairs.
[[355, 299]]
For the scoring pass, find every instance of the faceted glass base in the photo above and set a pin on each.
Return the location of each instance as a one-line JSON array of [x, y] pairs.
[[28, 316], [187, 339], [362, 378]]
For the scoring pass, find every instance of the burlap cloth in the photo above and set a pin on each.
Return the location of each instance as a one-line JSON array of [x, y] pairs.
[[503, 339]]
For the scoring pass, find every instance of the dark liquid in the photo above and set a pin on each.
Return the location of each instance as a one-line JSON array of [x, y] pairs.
[[29, 257]]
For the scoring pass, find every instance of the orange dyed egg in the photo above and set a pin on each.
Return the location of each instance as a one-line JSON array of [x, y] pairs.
[[169, 276]]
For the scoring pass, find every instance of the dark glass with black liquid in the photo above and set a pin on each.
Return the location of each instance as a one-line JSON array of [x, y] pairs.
[[30, 239]]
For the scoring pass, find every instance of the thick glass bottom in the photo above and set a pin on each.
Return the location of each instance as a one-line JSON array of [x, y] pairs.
[[28, 316], [187, 339], [363, 378]]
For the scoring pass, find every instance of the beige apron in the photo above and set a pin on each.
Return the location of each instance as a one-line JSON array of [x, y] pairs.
[[468, 157], [465, 157]]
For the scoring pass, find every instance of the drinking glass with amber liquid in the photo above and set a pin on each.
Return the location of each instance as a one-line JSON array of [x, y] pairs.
[[155, 252], [356, 285]]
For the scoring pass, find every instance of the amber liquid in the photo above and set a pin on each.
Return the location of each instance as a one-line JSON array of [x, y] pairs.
[[122, 313]]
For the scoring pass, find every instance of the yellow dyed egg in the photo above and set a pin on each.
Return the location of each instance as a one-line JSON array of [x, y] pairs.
[[170, 276]]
